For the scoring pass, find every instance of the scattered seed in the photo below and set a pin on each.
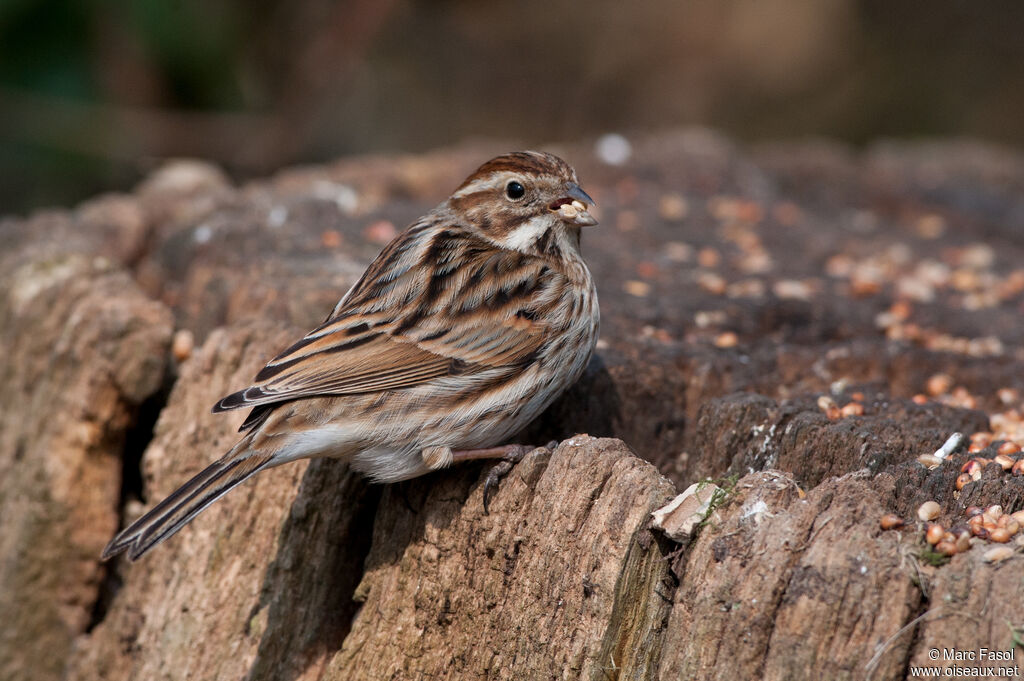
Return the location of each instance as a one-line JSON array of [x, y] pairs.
[[919, 399], [380, 232], [705, 318], [1000, 534], [1008, 448], [673, 207], [946, 548], [972, 511], [647, 269], [1005, 462], [934, 534], [1007, 395], [982, 438], [960, 397], [930, 226], [959, 531], [963, 543], [793, 289], [929, 461], [330, 238], [712, 283], [962, 480], [929, 510], [852, 409], [181, 346], [997, 554], [970, 466], [891, 521], [634, 287], [708, 257], [1018, 468], [727, 339], [862, 288], [677, 251], [939, 384]]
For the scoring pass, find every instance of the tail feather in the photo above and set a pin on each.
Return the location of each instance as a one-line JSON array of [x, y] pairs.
[[184, 504]]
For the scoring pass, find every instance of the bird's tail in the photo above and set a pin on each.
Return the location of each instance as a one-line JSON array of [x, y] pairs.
[[186, 502]]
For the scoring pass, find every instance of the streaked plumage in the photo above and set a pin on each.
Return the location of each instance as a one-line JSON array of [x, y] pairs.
[[464, 329]]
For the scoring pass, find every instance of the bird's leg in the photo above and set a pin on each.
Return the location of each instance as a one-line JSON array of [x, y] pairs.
[[516, 452], [510, 455]]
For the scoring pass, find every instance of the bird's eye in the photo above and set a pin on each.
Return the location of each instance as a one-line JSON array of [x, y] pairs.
[[514, 190]]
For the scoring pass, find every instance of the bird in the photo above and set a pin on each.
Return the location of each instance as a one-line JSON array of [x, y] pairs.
[[465, 327]]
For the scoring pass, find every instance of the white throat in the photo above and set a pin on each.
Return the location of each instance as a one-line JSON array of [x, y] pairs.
[[526, 234]]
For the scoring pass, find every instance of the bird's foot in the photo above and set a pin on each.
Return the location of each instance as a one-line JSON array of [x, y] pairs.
[[512, 455]]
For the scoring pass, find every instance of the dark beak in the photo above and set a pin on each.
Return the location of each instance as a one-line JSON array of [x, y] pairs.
[[575, 206], [576, 192]]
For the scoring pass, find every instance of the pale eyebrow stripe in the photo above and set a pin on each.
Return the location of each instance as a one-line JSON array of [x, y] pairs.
[[492, 181]]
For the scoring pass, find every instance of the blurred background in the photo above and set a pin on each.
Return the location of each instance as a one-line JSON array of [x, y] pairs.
[[93, 93]]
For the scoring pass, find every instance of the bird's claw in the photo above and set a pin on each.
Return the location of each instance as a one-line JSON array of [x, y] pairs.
[[503, 467]]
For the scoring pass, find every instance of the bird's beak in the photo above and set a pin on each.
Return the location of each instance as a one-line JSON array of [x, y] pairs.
[[574, 206]]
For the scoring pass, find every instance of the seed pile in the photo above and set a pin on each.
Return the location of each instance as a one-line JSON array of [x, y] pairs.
[[992, 523], [1005, 455], [1005, 458], [1002, 446], [983, 525]]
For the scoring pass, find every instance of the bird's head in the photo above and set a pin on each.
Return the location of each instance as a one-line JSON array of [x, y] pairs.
[[528, 201]]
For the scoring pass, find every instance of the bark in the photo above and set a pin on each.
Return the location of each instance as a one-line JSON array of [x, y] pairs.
[[561, 579], [83, 350]]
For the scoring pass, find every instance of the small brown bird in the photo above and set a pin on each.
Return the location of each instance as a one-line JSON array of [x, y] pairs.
[[464, 329]]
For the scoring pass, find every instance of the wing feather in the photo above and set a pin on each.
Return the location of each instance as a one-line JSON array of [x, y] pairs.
[[435, 303]]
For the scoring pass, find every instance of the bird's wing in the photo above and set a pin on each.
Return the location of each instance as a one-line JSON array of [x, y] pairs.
[[437, 302]]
